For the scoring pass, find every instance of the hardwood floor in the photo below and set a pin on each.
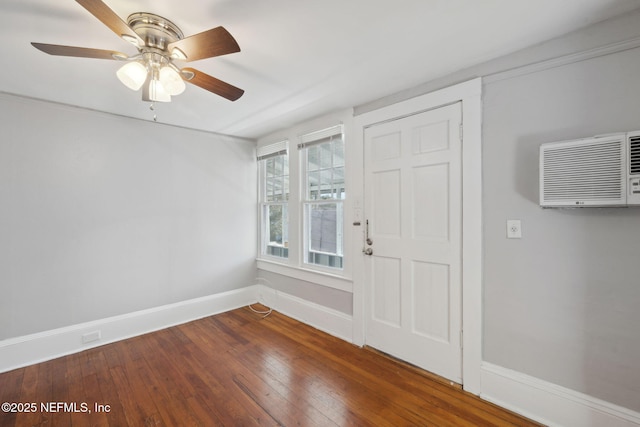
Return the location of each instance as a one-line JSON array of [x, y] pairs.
[[238, 369]]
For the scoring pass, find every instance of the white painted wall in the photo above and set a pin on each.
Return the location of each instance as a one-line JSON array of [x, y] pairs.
[[102, 215]]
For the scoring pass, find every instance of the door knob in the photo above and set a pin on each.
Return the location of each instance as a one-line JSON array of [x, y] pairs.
[[368, 251]]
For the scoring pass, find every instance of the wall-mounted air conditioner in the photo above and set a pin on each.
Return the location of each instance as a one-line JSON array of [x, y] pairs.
[[599, 171]]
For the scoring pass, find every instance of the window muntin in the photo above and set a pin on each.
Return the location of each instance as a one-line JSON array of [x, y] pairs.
[[325, 171], [277, 178]]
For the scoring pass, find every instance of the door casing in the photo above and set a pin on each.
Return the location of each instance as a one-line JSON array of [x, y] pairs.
[[470, 95]]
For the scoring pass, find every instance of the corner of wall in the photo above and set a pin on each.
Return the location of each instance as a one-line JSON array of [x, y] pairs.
[[323, 318]]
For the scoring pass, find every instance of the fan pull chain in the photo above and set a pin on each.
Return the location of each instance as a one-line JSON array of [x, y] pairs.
[[155, 116]]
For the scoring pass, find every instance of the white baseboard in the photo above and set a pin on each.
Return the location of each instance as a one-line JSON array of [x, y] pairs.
[[34, 348], [549, 403], [39, 347], [320, 317]]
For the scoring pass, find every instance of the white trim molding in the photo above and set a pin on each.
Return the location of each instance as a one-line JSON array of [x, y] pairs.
[[331, 321], [42, 346], [470, 94], [39, 347], [308, 275], [566, 59], [549, 403]]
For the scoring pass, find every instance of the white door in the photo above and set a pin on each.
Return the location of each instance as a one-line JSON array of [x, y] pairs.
[[413, 194]]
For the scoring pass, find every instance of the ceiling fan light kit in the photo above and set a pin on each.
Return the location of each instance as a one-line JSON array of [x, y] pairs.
[[132, 75], [153, 66], [159, 42]]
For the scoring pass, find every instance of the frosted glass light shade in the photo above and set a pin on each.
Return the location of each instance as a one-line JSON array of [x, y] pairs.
[[157, 92], [132, 75], [171, 81]]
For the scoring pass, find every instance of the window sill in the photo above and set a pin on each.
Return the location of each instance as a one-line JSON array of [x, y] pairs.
[[318, 277]]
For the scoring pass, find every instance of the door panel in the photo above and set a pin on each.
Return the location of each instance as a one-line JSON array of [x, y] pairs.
[[431, 137], [386, 147], [431, 202], [413, 207], [386, 290], [430, 286], [386, 201]]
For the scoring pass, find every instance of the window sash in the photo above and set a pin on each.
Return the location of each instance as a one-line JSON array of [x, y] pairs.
[[274, 193], [324, 176], [323, 247], [323, 187], [270, 229]]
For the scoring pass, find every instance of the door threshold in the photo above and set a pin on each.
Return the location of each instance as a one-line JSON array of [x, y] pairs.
[[416, 369]]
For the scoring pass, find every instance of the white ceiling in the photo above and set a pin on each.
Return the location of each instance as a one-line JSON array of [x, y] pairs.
[[299, 59]]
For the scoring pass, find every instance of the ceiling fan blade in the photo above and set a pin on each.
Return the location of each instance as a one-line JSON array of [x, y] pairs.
[[109, 18], [214, 42], [79, 52], [212, 84]]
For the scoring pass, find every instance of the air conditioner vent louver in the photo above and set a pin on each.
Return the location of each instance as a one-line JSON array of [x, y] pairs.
[[601, 171], [578, 172], [634, 155]]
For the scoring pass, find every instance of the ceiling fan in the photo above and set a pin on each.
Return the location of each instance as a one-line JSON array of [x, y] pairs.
[[159, 42]]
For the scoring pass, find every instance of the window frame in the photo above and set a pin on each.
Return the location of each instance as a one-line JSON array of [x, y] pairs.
[[264, 153], [294, 267], [306, 203]]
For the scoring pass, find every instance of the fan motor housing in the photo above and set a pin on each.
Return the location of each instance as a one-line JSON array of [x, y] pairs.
[[156, 31]]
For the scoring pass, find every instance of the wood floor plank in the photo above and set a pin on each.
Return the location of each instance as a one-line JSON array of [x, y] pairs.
[[10, 392], [60, 393], [106, 392], [294, 367], [76, 391], [240, 369], [435, 401], [211, 385], [362, 382]]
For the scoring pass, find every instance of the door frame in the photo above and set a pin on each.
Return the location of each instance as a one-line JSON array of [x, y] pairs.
[[470, 94]]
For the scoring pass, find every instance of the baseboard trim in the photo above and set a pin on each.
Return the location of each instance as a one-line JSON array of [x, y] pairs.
[[549, 403], [39, 347], [331, 321]]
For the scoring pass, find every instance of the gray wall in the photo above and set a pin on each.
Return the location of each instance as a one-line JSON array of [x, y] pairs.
[[561, 304], [102, 215], [333, 298]]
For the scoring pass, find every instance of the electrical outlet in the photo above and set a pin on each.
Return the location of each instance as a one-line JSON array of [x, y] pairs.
[[90, 337], [514, 229]]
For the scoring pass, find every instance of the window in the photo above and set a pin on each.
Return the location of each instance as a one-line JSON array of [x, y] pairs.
[[301, 206], [273, 163], [322, 157]]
